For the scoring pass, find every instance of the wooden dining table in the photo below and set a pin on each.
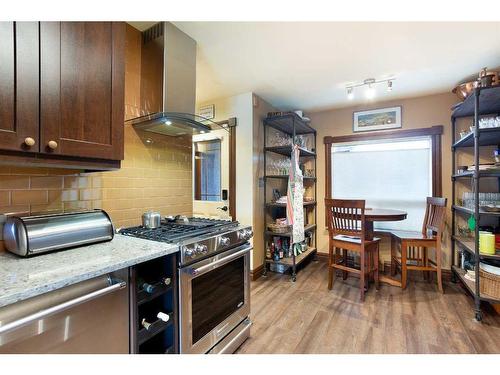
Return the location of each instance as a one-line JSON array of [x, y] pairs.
[[382, 214]]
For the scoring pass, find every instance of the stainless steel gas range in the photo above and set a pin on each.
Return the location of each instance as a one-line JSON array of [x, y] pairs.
[[214, 281]]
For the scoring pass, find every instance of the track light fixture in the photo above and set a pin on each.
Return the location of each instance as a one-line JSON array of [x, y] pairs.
[[350, 93], [370, 84]]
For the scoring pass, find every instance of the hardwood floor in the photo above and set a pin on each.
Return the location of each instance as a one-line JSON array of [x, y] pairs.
[[304, 317]]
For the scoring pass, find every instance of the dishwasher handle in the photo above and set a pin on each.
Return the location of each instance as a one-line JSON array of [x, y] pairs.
[[119, 284]]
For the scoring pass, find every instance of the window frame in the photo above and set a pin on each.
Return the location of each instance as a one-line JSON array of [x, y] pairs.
[[433, 132]]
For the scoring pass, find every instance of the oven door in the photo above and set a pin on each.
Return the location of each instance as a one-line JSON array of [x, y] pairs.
[[214, 298]]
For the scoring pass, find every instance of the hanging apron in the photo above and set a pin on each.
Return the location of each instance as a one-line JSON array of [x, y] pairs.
[[295, 202]]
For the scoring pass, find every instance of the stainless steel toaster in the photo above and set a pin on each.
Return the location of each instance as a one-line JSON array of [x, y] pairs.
[[29, 235]]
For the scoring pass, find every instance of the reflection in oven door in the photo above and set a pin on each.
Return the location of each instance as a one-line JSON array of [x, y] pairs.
[[216, 295], [215, 298]]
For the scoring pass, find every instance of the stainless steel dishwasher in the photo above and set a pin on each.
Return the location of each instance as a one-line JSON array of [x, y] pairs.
[[88, 317]]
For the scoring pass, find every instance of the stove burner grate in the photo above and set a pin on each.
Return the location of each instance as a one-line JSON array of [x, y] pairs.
[[175, 232]]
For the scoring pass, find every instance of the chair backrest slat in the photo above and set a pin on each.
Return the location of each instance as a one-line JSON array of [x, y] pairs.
[[346, 216], [435, 213]]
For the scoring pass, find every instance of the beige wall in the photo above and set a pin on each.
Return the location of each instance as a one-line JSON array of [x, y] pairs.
[[418, 112], [154, 175], [249, 111], [240, 106]]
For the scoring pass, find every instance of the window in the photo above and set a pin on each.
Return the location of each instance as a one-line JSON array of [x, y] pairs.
[[391, 169], [387, 174], [207, 159]]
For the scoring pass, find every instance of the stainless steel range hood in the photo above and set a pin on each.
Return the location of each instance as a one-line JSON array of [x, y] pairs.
[[168, 83]]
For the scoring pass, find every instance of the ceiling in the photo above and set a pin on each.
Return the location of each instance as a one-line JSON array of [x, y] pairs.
[[307, 65]]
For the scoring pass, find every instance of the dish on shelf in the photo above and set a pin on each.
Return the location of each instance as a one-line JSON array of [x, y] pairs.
[[281, 200], [464, 133], [490, 208], [470, 275]]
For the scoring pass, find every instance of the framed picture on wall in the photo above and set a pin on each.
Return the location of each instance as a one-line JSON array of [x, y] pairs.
[[377, 119], [207, 111]]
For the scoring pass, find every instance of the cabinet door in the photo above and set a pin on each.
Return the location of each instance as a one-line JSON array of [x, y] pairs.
[[19, 90], [82, 68]]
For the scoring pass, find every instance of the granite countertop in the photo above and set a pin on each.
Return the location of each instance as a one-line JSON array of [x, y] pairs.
[[22, 278]]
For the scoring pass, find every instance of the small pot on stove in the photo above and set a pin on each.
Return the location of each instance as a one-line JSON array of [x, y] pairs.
[[151, 219]]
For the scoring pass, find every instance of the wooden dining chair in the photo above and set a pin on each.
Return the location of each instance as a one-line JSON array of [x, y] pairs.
[[413, 250], [346, 229]]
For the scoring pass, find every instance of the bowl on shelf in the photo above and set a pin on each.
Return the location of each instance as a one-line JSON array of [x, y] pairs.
[[463, 90]]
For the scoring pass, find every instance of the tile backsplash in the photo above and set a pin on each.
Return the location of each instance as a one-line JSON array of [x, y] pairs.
[[156, 174]]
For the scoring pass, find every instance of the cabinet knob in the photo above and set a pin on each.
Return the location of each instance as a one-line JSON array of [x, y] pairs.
[[28, 141], [52, 145]]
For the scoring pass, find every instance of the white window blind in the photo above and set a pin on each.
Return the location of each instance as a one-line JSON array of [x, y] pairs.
[[387, 174]]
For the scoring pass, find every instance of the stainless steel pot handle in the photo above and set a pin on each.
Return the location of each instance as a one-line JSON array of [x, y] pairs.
[[217, 263], [62, 307]]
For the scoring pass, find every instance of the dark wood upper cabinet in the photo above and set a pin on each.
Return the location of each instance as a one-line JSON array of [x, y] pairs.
[[19, 89], [82, 74]]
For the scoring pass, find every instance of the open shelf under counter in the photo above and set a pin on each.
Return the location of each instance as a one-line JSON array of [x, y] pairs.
[[160, 289], [287, 151], [155, 328], [468, 245], [298, 259], [307, 228], [471, 287]]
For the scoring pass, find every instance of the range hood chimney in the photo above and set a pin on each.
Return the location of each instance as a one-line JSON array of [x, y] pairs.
[[168, 83]]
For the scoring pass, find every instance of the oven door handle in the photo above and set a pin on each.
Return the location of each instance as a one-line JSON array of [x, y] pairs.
[[208, 267]]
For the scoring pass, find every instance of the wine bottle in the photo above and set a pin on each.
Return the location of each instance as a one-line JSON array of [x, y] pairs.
[[145, 324], [148, 288], [268, 252], [163, 316]]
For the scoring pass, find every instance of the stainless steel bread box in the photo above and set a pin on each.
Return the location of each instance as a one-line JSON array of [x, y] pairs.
[[29, 235]]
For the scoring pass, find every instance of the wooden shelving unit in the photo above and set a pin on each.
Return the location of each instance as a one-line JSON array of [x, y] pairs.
[[292, 125], [483, 101]]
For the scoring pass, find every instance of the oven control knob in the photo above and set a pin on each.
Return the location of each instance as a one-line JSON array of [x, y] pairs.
[[249, 234], [189, 251], [200, 249], [245, 234], [224, 241]]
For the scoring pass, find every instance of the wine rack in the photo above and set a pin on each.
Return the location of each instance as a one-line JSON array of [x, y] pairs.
[[154, 321]]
